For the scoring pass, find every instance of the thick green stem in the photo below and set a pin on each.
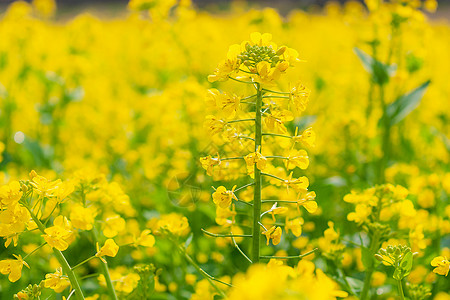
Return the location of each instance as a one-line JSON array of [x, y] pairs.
[[369, 272], [109, 284], [62, 260], [400, 289], [257, 191]]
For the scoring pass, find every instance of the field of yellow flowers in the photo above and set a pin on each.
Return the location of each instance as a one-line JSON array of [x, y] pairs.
[[181, 153]]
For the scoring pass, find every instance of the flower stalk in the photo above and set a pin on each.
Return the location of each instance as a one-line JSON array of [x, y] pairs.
[[257, 190]]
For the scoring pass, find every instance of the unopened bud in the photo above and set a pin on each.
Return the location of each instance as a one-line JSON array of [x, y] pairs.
[[379, 257], [33, 174], [281, 50]]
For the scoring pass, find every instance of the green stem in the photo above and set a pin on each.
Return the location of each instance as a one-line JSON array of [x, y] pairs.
[[241, 81], [367, 280], [273, 176], [61, 259], [83, 262], [281, 201], [105, 271], [232, 158], [224, 235], [36, 249], [276, 92], [385, 143], [400, 289], [239, 249], [208, 277], [109, 284], [291, 256], [281, 97], [240, 120], [244, 186], [257, 191], [277, 156], [276, 134]]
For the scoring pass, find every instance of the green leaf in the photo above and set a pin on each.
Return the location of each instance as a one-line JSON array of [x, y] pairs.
[[188, 240], [380, 72], [355, 284], [400, 108], [366, 257], [397, 274], [406, 264]]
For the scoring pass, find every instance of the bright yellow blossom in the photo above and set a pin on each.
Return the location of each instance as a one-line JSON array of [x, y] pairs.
[[441, 264], [56, 281], [110, 248], [13, 267], [222, 197], [60, 235], [274, 234]]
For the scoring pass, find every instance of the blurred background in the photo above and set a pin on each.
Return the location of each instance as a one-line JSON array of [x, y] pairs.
[[115, 8]]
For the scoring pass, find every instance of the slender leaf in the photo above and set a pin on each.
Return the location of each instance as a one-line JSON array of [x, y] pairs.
[[405, 104], [366, 257], [380, 72]]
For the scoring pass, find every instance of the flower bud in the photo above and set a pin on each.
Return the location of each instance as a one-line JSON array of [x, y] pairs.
[[281, 50], [32, 174]]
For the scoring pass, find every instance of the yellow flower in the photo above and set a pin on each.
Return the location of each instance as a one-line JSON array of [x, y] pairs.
[[46, 8], [110, 248], [442, 265], [277, 211], [294, 225], [275, 120], [228, 66], [378, 279], [82, 217], [175, 223], [255, 158], [13, 267], [297, 158], [307, 138], [226, 103], [56, 281], [145, 239], [64, 190], [60, 235], [361, 213], [222, 215], [430, 5], [10, 194], [259, 39], [208, 163], [213, 125], [274, 234], [299, 96], [222, 197], [300, 185], [267, 74], [307, 200], [12, 222], [113, 225], [44, 187]]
